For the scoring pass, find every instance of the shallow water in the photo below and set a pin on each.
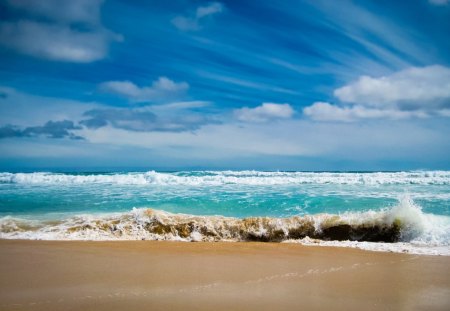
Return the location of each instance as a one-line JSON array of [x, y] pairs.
[[100, 206]]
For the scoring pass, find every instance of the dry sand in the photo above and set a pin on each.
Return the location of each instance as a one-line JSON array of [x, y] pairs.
[[142, 275]]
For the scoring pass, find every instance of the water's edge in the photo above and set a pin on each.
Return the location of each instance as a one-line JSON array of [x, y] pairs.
[[404, 228], [353, 209]]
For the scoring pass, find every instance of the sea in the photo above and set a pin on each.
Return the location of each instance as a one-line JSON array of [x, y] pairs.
[[406, 211]]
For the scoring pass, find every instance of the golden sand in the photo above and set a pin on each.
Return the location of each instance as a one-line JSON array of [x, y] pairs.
[[143, 275]]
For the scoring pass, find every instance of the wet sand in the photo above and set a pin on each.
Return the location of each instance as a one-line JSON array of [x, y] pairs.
[[143, 275]]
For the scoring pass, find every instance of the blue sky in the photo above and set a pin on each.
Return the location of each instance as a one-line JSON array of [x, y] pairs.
[[289, 85]]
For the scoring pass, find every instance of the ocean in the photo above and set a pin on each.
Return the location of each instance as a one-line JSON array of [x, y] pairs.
[[380, 211]]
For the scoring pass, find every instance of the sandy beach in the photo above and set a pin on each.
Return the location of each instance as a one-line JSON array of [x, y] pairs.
[[142, 275]]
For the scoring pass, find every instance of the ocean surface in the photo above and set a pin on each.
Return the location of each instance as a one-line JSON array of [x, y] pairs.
[[385, 211]]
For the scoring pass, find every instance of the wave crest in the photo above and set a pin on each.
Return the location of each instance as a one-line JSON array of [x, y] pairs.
[[405, 222], [217, 178]]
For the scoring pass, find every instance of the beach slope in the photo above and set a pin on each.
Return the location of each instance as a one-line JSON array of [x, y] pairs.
[[143, 275]]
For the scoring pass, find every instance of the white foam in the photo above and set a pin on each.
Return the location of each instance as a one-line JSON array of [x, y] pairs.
[[400, 247], [424, 234], [421, 233], [217, 178]]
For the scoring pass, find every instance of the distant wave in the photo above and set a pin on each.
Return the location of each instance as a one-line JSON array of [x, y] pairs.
[[217, 178], [404, 225]]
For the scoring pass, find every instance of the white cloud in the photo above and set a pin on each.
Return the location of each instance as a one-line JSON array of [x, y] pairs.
[[439, 2], [415, 87], [190, 23], [265, 112], [161, 89], [54, 42], [444, 112], [378, 140], [322, 111], [212, 8], [47, 31], [414, 92]]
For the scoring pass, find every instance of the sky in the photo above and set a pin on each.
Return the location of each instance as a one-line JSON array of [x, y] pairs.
[[265, 85]]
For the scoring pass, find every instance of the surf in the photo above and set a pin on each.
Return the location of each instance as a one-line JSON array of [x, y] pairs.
[[217, 178], [404, 223]]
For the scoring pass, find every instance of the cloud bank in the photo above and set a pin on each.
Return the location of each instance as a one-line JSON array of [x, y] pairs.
[[414, 92], [69, 31], [177, 119], [51, 129], [412, 88]]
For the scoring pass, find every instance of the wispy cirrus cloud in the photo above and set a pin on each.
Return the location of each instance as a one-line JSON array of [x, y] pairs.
[[296, 52], [48, 31], [439, 2], [87, 11], [161, 89], [379, 35], [413, 92], [193, 22]]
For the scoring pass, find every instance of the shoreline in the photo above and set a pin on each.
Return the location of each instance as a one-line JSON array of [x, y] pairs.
[[384, 230], [161, 275], [376, 247]]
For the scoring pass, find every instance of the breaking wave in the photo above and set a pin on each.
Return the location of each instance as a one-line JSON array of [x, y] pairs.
[[217, 178], [404, 225]]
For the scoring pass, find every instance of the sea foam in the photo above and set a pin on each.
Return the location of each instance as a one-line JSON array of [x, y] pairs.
[[217, 178], [403, 228]]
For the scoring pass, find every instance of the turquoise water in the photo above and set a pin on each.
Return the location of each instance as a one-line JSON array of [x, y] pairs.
[[236, 194], [46, 205]]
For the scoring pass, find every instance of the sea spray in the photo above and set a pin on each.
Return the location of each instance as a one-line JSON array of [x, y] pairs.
[[217, 178], [409, 217], [403, 222], [354, 208]]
